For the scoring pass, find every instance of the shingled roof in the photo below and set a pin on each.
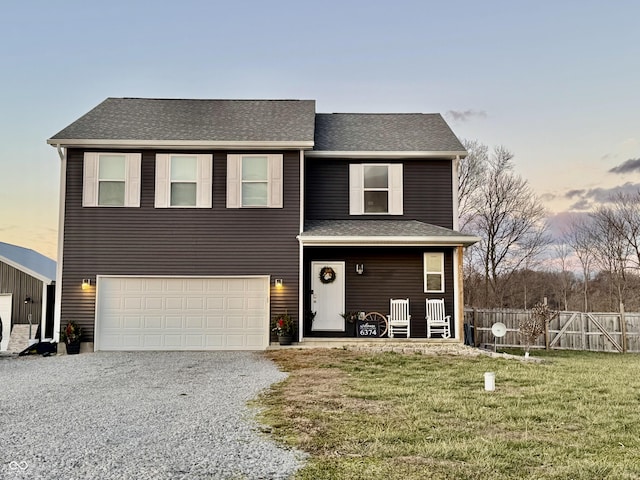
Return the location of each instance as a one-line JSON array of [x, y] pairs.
[[164, 121], [361, 232], [385, 132]]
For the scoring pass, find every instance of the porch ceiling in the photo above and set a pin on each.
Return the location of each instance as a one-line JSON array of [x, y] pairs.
[[381, 232]]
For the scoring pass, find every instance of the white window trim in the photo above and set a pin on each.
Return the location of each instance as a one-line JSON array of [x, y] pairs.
[[394, 187], [274, 180], [203, 180], [441, 272], [91, 179]]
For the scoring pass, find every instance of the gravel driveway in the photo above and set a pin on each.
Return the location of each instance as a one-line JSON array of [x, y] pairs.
[[143, 415]]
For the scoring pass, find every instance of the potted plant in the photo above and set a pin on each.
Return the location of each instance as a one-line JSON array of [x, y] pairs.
[[70, 335], [284, 327]]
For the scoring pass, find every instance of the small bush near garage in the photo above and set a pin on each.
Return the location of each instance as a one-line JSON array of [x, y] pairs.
[[394, 416]]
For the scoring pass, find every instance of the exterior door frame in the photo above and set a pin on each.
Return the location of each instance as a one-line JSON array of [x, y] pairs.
[[333, 300]]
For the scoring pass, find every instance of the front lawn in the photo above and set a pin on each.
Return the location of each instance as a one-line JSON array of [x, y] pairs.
[[393, 416]]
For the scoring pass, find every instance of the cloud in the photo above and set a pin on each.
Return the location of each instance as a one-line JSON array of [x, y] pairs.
[[630, 166], [585, 198], [463, 116], [575, 193], [548, 197], [582, 204]]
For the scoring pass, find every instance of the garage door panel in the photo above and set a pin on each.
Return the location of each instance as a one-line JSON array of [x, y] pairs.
[[134, 322], [174, 303], [182, 313], [152, 322], [153, 303], [194, 323], [173, 322]]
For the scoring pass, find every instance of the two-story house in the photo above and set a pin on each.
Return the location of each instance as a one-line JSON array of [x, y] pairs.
[[188, 224]]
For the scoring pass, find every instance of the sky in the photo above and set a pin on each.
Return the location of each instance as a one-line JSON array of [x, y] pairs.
[[555, 82]]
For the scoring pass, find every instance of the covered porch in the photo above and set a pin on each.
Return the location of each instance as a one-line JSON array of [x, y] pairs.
[[352, 268]]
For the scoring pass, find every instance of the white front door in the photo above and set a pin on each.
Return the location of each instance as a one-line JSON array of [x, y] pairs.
[[327, 299], [5, 316]]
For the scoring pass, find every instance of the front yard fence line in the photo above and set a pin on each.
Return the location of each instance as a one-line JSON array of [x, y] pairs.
[[592, 331]]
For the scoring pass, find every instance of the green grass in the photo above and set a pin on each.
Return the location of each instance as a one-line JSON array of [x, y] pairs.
[[392, 416]]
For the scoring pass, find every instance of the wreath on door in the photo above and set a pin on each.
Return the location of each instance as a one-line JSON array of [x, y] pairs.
[[327, 275]]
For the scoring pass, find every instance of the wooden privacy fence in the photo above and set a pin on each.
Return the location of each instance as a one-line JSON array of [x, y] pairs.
[[597, 332]]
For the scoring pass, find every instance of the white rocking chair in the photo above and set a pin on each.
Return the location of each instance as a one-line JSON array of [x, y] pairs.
[[437, 321], [399, 320]]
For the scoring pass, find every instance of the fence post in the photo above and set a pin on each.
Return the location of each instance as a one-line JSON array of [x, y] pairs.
[[475, 332], [623, 328]]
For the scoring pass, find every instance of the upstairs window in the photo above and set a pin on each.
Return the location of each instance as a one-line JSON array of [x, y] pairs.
[[434, 272], [254, 181], [375, 189], [111, 180], [183, 181]]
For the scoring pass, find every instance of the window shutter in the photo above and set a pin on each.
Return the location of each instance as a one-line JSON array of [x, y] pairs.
[[356, 195], [203, 189], [275, 181], [90, 180], [395, 189], [234, 180], [132, 182], [162, 180]]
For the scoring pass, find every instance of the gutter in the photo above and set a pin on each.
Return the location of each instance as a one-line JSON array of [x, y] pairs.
[[179, 144]]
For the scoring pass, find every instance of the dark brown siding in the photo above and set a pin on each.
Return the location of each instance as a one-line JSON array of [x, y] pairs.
[[427, 190], [388, 273], [150, 241], [22, 285]]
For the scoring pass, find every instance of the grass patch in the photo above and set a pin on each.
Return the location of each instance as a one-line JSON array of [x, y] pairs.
[[368, 416]]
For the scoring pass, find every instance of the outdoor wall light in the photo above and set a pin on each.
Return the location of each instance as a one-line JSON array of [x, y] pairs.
[[359, 268], [27, 299], [278, 283], [86, 283]]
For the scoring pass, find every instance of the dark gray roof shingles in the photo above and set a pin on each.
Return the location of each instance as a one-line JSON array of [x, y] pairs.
[[195, 120], [377, 228], [386, 132]]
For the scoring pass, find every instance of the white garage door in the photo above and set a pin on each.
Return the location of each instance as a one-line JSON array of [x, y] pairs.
[[150, 313]]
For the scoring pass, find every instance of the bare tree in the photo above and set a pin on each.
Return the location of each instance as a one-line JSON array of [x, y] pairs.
[[509, 218], [471, 175], [579, 236], [563, 252], [612, 245], [623, 218]]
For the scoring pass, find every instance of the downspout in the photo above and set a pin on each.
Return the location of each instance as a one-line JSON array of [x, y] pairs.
[[62, 153], [301, 253], [454, 180]]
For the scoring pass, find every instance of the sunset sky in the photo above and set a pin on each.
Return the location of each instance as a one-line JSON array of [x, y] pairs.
[[556, 82]]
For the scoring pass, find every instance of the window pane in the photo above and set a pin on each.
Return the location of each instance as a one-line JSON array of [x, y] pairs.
[[184, 168], [111, 167], [254, 194], [183, 194], [434, 282], [376, 176], [254, 168], [434, 263], [376, 202], [111, 194]]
